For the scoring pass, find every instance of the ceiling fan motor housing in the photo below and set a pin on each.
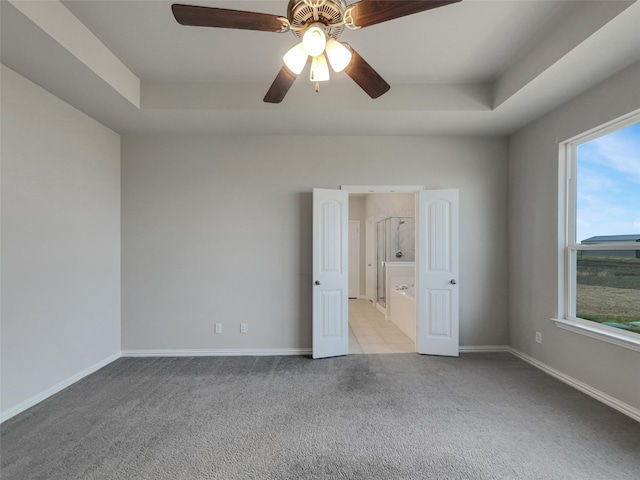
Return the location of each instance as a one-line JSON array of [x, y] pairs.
[[300, 14]]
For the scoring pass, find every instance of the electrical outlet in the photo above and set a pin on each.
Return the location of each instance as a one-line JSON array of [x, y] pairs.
[[538, 337], [243, 328], [218, 328]]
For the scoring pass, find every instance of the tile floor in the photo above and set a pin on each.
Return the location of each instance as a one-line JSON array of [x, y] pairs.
[[369, 332]]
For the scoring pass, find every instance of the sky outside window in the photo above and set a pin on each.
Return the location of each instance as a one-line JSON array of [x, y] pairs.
[[608, 185]]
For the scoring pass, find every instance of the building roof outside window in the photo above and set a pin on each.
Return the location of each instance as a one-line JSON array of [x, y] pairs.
[[612, 238]]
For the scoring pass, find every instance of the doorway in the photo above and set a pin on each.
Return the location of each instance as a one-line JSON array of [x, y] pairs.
[[382, 316]]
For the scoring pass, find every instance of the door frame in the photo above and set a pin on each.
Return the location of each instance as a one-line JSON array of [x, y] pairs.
[[366, 189], [382, 188]]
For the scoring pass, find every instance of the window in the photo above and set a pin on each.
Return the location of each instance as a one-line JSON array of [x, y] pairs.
[[599, 253]]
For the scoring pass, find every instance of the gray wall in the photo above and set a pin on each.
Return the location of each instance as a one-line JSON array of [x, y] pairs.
[[60, 242], [218, 229], [533, 235]]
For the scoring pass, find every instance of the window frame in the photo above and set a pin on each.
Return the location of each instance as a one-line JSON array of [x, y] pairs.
[[568, 246]]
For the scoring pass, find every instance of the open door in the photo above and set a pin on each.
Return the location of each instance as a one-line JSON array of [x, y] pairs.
[[330, 273], [437, 297]]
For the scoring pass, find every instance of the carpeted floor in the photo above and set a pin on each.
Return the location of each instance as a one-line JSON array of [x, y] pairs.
[[398, 416]]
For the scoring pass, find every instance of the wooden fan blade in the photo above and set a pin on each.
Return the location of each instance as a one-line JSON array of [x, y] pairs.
[[371, 12], [223, 18], [280, 85], [365, 76]]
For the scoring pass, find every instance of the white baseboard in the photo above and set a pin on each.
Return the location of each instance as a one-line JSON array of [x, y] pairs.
[[583, 387], [484, 348], [30, 402], [221, 352]]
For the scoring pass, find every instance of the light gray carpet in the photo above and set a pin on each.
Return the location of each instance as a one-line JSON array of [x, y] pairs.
[[400, 416]]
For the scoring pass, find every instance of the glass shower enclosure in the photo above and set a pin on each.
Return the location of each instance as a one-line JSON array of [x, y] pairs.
[[395, 242]]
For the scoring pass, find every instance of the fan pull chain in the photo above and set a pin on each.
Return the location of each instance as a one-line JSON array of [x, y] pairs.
[[317, 87]]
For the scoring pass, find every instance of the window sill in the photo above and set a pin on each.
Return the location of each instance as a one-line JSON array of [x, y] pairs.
[[600, 332]]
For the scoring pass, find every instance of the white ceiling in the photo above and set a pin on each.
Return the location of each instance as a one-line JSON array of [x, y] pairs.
[[476, 67]]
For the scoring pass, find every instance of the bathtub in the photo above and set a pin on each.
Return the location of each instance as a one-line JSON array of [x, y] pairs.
[[402, 308]]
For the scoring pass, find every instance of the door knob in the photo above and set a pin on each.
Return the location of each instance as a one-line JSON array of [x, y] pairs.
[[317, 282], [453, 282]]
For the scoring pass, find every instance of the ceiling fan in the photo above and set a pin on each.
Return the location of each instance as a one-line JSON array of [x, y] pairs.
[[317, 24]]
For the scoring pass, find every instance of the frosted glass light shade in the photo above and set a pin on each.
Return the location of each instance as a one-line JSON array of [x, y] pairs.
[[296, 58], [319, 69], [314, 40], [339, 55]]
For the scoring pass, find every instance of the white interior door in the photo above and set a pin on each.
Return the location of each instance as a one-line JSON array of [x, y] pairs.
[[370, 258], [330, 273], [354, 258], [437, 298]]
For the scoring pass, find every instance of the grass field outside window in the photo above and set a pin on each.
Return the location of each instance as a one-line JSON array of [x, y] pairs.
[[608, 291]]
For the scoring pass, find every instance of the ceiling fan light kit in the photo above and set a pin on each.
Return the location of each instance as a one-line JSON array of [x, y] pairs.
[[317, 24], [314, 39], [338, 54], [296, 58]]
